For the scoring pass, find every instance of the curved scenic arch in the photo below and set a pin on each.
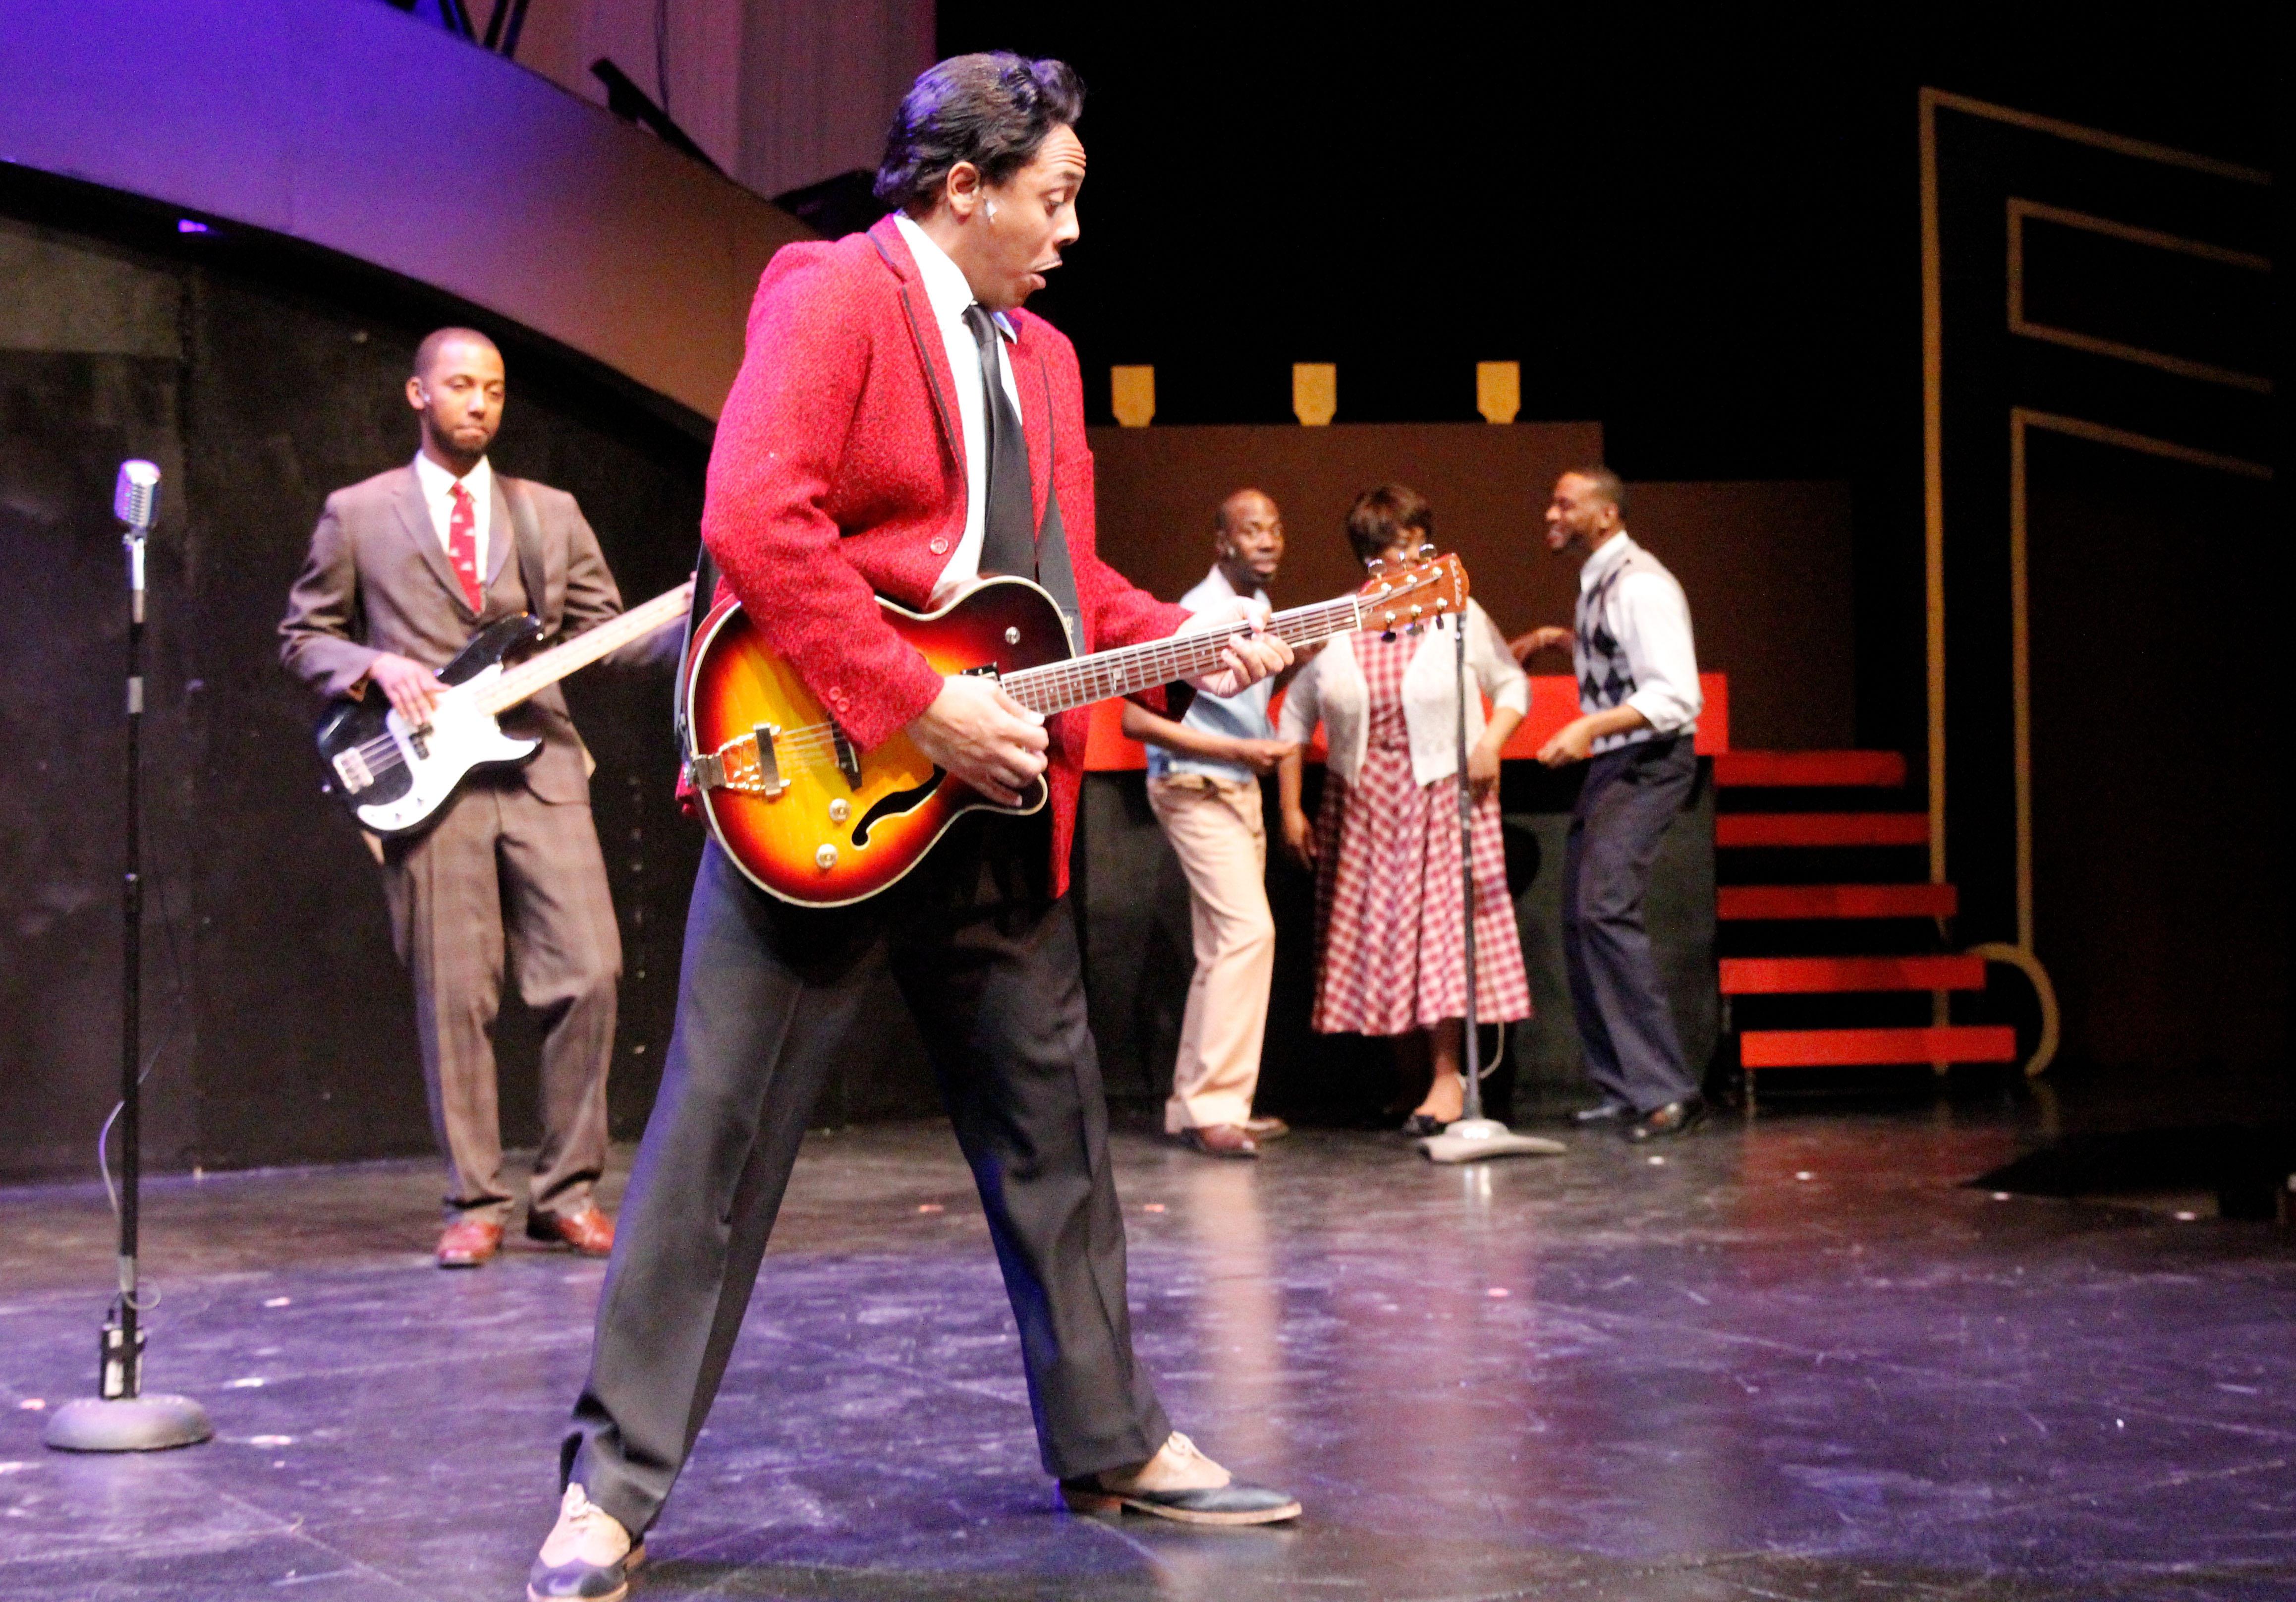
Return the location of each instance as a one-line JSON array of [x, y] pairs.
[[358, 129]]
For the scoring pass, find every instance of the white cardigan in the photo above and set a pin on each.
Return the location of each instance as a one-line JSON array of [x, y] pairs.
[[1332, 689]]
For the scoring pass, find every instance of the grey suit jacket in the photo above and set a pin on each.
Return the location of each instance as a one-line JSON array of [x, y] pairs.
[[377, 580]]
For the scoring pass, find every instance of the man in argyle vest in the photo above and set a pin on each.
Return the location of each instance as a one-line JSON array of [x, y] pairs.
[[1638, 701]]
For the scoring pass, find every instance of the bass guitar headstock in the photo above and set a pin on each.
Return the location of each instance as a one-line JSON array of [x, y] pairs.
[[1414, 593]]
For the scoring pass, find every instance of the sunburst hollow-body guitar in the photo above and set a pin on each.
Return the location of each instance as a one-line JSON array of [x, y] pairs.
[[814, 820]]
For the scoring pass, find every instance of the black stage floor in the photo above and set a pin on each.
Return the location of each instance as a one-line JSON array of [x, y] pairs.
[[1798, 1358]]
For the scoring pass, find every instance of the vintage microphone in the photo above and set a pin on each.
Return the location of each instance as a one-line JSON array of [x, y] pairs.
[[1473, 1137], [120, 1418]]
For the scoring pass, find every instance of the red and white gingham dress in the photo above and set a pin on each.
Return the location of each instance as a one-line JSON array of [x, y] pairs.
[[1387, 884]]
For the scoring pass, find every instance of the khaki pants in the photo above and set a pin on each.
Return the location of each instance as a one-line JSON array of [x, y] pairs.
[[1216, 830]]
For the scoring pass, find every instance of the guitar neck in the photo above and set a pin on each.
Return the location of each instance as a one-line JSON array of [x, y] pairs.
[[537, 673], [1059, 687]]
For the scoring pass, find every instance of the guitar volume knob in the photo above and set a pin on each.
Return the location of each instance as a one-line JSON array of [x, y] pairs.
[[840, 810], [825, 857]]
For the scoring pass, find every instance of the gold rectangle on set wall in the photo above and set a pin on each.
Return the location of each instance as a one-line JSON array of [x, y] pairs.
[[1498, 390], [1132, 395], [1314, 392]]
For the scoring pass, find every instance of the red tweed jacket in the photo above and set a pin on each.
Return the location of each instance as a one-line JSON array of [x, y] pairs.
[[839, 475]]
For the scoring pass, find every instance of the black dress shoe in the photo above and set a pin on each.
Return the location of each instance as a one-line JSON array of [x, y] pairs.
[[1609, 1111], [1421, 1125], [1675, 1117]]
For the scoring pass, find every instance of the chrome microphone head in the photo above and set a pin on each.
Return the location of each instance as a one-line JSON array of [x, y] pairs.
[[136, 498]]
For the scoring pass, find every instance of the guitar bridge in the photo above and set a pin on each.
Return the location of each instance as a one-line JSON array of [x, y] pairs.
[[351, 768], [746, 764], [849, 761]]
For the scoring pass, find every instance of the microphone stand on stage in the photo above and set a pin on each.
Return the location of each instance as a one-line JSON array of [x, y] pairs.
[[1475, 1138], [120, 1418]]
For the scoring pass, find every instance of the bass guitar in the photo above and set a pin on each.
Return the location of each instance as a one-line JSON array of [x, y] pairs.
[[396, 779], [812, 819]]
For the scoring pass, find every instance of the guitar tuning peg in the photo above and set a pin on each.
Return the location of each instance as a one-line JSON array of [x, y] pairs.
[[1376, 564], [1427, 553], [1389, 636]]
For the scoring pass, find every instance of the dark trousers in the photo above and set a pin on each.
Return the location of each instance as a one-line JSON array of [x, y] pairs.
[[769, 996], [1625, 1029]]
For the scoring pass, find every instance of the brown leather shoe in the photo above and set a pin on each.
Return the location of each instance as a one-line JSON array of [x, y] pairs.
[[1221, 1140], [469, 1242], [588, 1229], [1265, 1128]]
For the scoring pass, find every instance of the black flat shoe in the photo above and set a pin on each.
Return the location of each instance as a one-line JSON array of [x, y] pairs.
[[1609, 1111], [1420, 1125], [1675, 1117]]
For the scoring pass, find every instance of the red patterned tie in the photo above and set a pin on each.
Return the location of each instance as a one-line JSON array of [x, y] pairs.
[[462, 548]]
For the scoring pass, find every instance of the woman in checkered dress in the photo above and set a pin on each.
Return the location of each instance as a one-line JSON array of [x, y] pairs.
[[1391, 953]]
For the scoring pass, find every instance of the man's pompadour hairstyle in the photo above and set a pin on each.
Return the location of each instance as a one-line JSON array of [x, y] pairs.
[[994, 110]]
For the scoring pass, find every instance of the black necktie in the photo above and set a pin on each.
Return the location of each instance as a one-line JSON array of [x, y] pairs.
[[1008, 540]]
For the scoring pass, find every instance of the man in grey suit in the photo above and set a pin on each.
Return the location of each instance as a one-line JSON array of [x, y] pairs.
[[403, 570]]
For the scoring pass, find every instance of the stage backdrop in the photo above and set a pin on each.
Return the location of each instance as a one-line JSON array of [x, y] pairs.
[[1767, 565]]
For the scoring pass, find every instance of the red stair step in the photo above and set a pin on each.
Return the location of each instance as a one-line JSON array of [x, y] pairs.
[[1822, 828], [1849, 976], [1875, 1047], [1744, 902], [1860, 769]]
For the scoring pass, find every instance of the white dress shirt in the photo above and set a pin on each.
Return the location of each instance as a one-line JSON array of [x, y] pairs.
[[948, 294], [1647, 613], [439, 495], [1244, 715], [1333, 688]]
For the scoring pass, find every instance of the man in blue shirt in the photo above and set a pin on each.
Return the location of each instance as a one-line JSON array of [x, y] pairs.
[[1203, 786]]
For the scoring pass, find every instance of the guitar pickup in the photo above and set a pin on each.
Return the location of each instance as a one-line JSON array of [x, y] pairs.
[[351, 768], [746, 764]]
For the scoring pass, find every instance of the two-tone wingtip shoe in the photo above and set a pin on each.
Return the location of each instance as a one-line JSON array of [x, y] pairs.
[[588, 1555], [1182, 1484]]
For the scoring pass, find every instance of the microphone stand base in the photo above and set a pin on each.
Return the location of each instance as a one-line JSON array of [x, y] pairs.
[[133, 1424], [1478, 1139]]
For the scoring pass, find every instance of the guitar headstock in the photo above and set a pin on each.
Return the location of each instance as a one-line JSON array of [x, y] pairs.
[[1413, 593]]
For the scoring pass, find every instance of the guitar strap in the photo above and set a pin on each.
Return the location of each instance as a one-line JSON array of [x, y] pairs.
[[705, 596], [532, 571]]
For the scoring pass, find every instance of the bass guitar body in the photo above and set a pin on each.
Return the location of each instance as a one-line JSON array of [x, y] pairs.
[[396, 780], [806, 815]]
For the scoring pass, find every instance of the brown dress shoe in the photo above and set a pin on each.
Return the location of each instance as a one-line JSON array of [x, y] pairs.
[[588, 1229], [1221, 1140], [469, 1242], [1265, 1128]]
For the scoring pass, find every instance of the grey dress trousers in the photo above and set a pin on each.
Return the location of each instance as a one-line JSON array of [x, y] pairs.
[[769, 996]]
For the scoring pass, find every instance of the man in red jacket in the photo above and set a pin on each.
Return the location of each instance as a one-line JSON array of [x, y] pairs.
[[900, 426]]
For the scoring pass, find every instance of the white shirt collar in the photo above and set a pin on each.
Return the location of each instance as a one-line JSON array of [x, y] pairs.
[[1217, 588], [946, 286], [1597, 567], [437, 480]]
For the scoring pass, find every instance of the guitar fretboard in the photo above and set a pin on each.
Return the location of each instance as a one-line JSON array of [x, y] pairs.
[[1057, 687], [537, 673]]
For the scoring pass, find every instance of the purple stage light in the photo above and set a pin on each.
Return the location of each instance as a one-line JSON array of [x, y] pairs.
[[184, 224]]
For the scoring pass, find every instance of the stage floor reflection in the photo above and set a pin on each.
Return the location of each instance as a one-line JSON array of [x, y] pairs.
[[1798, 1358]]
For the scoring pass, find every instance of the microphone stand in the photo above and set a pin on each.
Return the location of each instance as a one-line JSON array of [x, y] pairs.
[[1475, 1138], [120, 1418]]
